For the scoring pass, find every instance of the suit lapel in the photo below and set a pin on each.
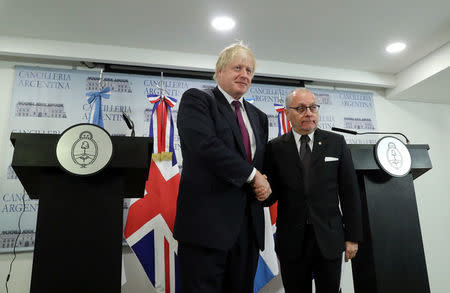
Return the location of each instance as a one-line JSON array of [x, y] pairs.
[[291, 149], [320, 143], [230, 118]]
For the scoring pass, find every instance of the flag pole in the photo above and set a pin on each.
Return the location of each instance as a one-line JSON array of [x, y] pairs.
[[100, 81], [161, 89]]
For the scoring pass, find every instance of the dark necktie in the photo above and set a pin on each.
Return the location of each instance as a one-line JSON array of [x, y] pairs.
[[305, 157], [305, 151], [244, 132]]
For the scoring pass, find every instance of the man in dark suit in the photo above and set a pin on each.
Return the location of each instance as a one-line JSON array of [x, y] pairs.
[[312, 176], [219, 222]]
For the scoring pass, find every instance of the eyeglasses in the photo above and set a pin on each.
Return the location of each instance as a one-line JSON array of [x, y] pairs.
[[302, 109]]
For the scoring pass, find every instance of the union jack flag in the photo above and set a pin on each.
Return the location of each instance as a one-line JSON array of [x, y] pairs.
[[150, 221]]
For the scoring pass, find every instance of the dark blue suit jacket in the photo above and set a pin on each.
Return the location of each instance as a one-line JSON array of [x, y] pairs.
[[213, 192]]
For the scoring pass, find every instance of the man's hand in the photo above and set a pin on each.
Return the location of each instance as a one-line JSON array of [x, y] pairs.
[[261, 186], [350, 250]]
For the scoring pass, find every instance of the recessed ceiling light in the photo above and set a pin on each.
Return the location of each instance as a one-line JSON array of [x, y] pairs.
[[395, 47], [223, 23]]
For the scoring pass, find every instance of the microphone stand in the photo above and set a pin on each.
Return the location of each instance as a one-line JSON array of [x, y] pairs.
[[370, 132]]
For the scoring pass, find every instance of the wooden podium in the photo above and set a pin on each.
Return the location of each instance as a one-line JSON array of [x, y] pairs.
[[78, 245], [391, 257]]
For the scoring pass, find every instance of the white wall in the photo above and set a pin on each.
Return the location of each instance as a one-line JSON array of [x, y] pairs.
[[422, 123]]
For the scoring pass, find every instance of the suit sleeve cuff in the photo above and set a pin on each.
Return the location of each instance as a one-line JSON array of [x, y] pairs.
[[252, 175]]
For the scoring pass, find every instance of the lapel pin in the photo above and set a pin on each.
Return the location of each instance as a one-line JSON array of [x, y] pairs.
[[319, 143]]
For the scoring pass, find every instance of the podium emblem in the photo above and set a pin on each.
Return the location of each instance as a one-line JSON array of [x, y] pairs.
[[393, 156], [84, 149]]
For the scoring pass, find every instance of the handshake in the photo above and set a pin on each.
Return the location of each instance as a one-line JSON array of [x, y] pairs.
[[261, 186]]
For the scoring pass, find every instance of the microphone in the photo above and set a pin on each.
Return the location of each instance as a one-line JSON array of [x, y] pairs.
[[129, 123], [370, 132], [344, 130]]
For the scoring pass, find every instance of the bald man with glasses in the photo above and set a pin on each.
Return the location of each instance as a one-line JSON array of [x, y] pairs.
[[312, 176]]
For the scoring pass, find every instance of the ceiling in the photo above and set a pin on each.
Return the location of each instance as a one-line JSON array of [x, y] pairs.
[[341, 34]]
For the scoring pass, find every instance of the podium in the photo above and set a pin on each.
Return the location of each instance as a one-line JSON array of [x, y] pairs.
[[391, 257], [78, 246]]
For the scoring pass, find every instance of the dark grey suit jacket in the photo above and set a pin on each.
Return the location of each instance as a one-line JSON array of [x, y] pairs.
[[213, 192], [331, 182]]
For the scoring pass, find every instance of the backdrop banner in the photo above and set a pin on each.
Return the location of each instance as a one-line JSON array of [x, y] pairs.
[[46, 100]]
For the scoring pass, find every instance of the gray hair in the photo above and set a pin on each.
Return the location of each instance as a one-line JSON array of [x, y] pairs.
[[291, 94]]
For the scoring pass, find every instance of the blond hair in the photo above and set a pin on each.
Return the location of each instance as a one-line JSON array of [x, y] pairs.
[[229, 53]]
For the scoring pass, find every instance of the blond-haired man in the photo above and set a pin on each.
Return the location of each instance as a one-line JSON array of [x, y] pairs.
[[219, 223]]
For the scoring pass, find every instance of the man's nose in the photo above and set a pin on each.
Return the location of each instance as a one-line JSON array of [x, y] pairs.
[[245, 73]]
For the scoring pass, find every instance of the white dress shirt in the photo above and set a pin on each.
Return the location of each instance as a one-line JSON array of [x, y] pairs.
[[297, 140]]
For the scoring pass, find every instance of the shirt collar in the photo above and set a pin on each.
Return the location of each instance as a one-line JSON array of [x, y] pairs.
[[298, 135], [229, 98]]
